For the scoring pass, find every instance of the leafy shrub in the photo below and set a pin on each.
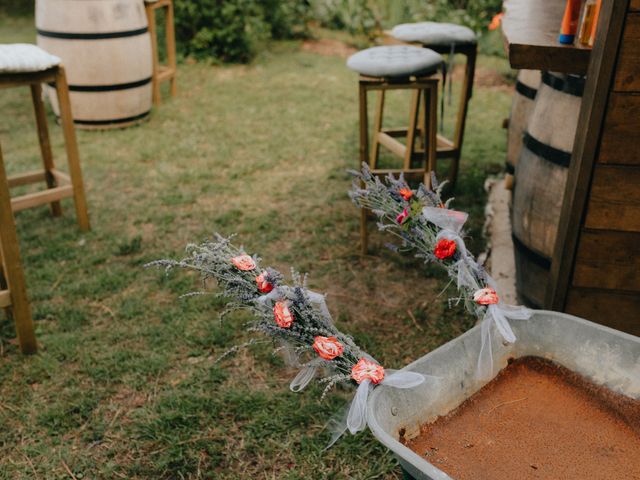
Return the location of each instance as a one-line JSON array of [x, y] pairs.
[[228, 31], [365, 16], [286, 18], [355, 16], [17, 7], [233, 30]]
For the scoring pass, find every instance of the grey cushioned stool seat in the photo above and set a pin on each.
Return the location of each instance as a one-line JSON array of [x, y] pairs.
[[25, 58], [434, 33], [395, 61], [448, 39]]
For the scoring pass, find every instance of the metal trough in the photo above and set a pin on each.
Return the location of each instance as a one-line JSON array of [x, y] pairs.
[[603, 355]]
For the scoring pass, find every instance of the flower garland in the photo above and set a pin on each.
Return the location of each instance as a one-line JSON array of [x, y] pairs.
[[299, 320], [429, 227], [296, 318]]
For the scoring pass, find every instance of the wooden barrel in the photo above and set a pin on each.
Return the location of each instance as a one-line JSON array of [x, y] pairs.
[[106, 51], [540, 178], [521, 107]]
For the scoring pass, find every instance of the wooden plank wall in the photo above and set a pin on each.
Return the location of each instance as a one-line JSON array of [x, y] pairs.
[[605, 285]]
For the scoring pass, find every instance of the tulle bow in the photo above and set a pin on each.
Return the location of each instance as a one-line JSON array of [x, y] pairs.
[[498, 315], [354, 417]]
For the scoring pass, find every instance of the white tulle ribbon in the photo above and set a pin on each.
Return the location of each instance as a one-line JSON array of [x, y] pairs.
[[355, 418], [305, 375], [497, 314], [445, 218], [465, 277]]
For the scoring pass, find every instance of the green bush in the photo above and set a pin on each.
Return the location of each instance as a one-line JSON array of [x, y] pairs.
[[286, 18], [17, 7], [355, 16], [366, 16], [228, 31], [233, 30]]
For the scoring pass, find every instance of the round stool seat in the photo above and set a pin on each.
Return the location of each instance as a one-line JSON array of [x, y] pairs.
[[434, 33], [25, 58], [395, 61]]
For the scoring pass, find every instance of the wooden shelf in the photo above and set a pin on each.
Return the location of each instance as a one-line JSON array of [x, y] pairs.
[[530, 29]]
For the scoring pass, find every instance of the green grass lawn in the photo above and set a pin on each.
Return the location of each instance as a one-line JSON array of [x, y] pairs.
[[125, 385]]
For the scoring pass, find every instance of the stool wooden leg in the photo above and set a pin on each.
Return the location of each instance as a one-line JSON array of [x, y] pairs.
[[430, 106], [377, 127], [20, 309], [411, 130], [465, 96], [364, 119], [422, 121], [423, 127], [151, 20], [364, 155], [45, 145], [432, 138], [171, 47], [73, 157]]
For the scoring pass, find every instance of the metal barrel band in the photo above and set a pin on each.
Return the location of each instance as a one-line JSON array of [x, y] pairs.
[[571, 84], [106, 88], [549, 153], [92, 36], [510, 169], [525, 90], [112, 121]]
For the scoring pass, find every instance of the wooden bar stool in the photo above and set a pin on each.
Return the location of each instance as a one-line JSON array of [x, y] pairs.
[[167, 71], [28, 65], [446, 38], [398, 68], [13, 291]]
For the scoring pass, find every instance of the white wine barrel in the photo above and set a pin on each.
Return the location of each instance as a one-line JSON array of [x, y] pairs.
[[106, 51], [540, 179], [521, 107]]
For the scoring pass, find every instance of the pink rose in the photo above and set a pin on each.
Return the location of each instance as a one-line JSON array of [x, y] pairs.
[[327, 348], [263, 285], [367, 370], [244, 262], [403, 216], [486, 296], [284, 317]]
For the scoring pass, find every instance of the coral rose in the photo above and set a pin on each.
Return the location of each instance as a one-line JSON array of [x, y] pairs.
[[327, 348], [244, 262], [485, 296], [406, 193], [367, 370], [403, 216], [263, 284], [445, 248], [284, 317], [496, 21]]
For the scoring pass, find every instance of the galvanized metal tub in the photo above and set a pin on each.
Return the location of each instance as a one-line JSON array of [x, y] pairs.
[[605, 356]]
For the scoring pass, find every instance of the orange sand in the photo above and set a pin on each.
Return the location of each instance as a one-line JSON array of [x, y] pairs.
[[536, 420]]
